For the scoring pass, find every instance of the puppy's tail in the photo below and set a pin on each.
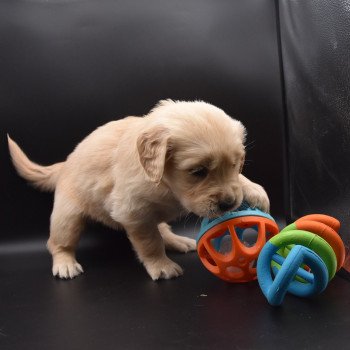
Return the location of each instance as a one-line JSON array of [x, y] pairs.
[[43, 177]]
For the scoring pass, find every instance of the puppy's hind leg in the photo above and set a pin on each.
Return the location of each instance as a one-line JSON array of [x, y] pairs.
[[66, 225], [175, 242], [149, 247]]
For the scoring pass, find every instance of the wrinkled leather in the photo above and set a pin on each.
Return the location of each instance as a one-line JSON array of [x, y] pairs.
[[316, 64]]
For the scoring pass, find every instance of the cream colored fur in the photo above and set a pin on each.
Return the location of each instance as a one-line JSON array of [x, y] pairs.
[[141, 172]]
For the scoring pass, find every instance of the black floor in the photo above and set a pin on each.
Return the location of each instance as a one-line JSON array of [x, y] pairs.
[[115, 305]]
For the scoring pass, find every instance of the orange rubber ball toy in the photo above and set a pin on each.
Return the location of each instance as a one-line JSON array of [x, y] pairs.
[[229, 246]]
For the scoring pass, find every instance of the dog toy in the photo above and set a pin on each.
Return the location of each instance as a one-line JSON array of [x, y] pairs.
[[301, 259], [229, 246]]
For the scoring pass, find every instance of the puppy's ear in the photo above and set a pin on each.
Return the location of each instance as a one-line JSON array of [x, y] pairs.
[[242, 132], [242, 164], [152, 146]]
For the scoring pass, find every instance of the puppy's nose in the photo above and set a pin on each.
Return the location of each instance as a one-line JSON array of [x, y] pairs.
[[226, 204]]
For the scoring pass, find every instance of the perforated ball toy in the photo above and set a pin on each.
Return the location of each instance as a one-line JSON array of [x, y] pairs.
[[229, 246], [301, 259]]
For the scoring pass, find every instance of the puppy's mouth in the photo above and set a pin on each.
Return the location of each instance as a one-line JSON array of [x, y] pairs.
[[216, 210]]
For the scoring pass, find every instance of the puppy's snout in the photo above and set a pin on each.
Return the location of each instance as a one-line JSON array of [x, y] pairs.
[[226, 204]]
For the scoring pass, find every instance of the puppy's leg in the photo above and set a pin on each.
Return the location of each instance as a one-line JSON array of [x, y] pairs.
[[149, 247], [65, 228], [254, 194], [175, 242]]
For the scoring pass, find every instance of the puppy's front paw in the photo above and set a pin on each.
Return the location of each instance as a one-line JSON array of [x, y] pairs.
[[181, 244], [186, 244], [174, 242], [163, 268], [67, 269], [256, 197]]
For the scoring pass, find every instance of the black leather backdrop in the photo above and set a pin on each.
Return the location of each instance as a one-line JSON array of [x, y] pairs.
[[316, 61], [70, 66]]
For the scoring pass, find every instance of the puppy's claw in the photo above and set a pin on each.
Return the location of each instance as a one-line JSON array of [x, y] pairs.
[[67, 270], [163, 269]]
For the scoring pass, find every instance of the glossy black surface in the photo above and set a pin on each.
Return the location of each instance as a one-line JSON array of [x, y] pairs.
[[115, 305]]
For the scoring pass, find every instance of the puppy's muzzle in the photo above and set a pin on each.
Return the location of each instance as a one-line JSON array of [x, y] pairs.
[[226, 204]]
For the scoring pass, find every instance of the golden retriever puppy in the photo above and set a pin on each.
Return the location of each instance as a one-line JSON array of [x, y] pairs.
[[139, 173]]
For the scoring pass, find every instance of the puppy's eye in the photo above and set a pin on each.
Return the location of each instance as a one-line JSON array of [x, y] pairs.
[[201, 172]]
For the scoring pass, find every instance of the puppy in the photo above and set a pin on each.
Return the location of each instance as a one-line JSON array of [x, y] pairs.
[[139, 173]]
